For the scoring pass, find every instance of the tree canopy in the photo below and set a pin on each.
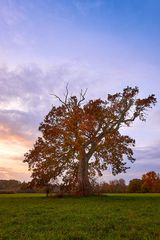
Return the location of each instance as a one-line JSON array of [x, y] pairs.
[[79, 141]]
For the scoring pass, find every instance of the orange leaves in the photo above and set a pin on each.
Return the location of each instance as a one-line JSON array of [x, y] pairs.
[[130, 92], [146, 102], [149, 181], [88, 123]]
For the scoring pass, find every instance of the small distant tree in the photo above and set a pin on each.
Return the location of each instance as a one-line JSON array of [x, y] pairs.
[[150, 182], [79, 141], [104, 187], [117, 186], [135, 186]]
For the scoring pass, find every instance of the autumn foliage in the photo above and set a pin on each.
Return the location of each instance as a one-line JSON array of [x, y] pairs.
[[79, 141], [149, 183]]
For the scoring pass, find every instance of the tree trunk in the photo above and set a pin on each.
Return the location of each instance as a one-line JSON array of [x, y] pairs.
[[83, 180]]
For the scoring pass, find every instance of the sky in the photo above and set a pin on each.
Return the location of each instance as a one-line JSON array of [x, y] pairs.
[[102, 45]]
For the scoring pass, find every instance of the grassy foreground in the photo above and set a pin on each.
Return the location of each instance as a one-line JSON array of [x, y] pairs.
[[114, 216]]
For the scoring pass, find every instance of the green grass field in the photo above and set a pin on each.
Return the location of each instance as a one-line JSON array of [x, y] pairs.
[[113, 216]]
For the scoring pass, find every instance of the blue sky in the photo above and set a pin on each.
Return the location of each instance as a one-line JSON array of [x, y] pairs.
[[102, 45]]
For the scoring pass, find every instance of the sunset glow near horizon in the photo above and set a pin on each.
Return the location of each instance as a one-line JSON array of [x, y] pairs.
[[100, 45]]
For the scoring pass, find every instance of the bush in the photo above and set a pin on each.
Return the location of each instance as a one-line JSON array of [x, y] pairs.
[[7, 192]]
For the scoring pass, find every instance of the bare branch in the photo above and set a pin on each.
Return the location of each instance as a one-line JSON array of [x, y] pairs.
[[66, 95], [82, 96], [59, 99]]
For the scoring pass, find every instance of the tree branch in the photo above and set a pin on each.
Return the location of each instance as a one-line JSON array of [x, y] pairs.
[[82, 96]]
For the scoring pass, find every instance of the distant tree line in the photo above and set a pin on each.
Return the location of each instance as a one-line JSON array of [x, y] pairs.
[[149, 183], [14, 186], [9, 185]]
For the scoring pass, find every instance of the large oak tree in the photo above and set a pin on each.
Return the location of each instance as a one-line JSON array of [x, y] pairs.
[[81, 140]]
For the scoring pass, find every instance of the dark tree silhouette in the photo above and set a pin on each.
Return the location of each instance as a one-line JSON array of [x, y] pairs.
[[81, 140], [135, 186]]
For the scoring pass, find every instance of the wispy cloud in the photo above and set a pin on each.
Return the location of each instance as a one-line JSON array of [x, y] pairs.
[[149, 155], [11, 173], [11, 14], [85, 6]]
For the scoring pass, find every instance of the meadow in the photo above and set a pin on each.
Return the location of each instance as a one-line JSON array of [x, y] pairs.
[[111, 216]]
